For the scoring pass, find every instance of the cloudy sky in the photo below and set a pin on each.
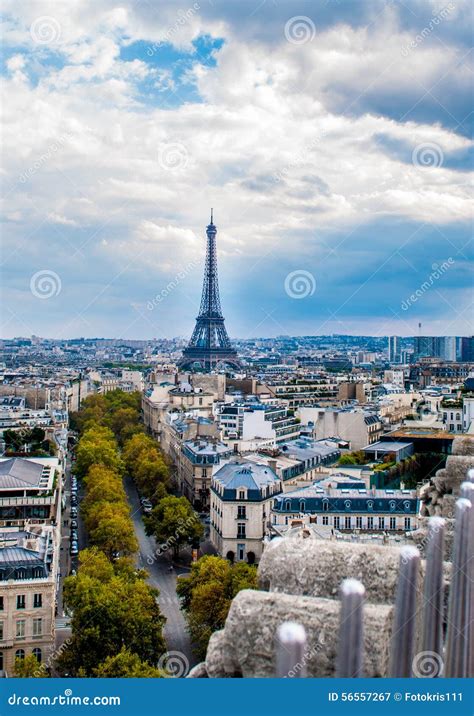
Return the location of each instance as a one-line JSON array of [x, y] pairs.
[[332, 138]]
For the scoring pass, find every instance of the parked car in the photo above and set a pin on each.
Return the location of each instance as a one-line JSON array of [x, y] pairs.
[[74, 524], [74, 513], [73, 536], [74, 548], [73, 500]]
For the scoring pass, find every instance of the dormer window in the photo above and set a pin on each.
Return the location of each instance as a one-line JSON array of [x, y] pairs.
[[370, 505], [241, 494]]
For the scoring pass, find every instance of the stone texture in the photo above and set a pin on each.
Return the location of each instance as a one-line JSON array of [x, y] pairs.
[[219, 657], [317, 567], [198, 672], [463, 446], [254, 618]]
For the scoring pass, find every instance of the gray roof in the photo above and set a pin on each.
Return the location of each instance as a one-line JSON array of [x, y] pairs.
[[252, 476], [20, 473], [385, 445], [16, 556]]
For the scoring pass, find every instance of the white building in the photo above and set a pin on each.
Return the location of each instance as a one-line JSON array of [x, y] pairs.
[[241, 497]]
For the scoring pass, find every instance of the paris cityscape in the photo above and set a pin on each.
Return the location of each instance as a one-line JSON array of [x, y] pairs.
[[237, 348]]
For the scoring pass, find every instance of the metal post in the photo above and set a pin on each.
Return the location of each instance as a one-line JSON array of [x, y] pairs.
[[350, 658], [403, 637], [467, 491], [458, 612], [430, 660], [290, 649]]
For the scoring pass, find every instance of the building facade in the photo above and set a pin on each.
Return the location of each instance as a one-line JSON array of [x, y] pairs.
[[241, 497]]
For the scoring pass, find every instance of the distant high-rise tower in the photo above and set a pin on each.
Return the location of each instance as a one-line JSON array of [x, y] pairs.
[[210, 344], [394, 349]]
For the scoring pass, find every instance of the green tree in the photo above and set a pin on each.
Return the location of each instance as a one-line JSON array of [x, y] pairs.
[[97, 446], [29, 668], [174, 522], [125, 664], [113, 607], [207, 593]]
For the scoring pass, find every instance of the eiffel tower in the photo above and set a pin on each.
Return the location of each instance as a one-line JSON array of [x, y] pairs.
[[210, 345]]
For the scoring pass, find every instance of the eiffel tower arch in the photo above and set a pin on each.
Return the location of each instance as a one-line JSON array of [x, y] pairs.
[[210, 344]]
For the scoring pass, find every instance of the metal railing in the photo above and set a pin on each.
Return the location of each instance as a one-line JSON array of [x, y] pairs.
[[451, 656]]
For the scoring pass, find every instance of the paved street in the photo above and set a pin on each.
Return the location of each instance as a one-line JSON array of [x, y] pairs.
[[160, 577]]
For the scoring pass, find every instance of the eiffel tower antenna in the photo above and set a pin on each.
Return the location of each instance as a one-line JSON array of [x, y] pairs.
[[209, 344]]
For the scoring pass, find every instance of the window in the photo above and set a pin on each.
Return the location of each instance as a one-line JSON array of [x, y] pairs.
[[241, 495], [407, 523], [347, 504], [1, 604], [1, 631], [347, 523], [204, 472], [392, 504], [20, 601], [241, 512], [337, 522], [325, 505], [359, 523], [287, 505], [370, 505], [393, 523], [37, 600], [38, 654], [241, 529], [20, 654], [370, 523], [325, 520], [381, 523], [20, 628], [37, 626]]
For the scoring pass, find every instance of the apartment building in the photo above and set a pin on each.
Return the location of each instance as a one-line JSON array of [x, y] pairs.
[[249, 421], [241, 497], [197, 461], [346, 505], [28, 577], [353, 425]]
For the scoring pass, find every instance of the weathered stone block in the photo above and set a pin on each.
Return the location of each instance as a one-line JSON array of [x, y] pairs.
[[463, 446], [254, 618], [317, 568], [198, 672]]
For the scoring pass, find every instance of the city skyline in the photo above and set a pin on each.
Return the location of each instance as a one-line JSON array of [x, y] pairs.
[[341, 198]]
